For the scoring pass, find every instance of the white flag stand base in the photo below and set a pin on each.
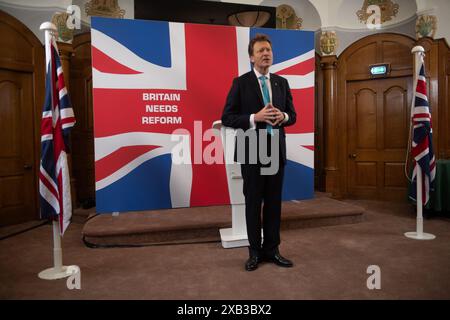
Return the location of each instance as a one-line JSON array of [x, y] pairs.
[[60, 273], [420, 236]]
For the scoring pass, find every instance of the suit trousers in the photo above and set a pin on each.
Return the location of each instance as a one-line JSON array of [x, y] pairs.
[[263, 190]]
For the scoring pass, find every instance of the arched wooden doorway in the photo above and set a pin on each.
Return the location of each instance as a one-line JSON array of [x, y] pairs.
[[22, 96], [373, 117]]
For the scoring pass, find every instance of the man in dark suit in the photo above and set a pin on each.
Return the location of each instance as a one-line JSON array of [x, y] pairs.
[[261, 101]]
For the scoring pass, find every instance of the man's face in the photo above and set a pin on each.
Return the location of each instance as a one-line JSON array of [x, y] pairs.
[[262, 55]]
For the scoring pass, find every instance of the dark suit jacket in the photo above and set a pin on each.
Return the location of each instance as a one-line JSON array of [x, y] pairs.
[[245, 98]]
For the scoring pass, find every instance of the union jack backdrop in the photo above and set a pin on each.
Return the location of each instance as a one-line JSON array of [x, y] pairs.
[[422, 142], [188, 69], [57, 120]]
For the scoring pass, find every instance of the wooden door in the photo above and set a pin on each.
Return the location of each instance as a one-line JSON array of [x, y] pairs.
[[17, 180], [378, 126], [83, 159]]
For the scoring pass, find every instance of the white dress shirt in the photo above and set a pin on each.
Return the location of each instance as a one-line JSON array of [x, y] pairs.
[[252, 116]]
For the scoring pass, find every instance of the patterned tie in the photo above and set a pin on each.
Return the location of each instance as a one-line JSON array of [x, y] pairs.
[[266, 99]]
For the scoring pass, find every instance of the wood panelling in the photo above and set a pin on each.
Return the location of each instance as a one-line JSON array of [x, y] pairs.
[[372, 123], [397, 54], [83, 132], [437, 64], [365, 174], [394, 174], [445, 124], [16, 154], [361, 58], [377, 119], [444, 99], [395, 103], [22, 93], [12, 46], [319, 174], [365, 125], [328, 64]]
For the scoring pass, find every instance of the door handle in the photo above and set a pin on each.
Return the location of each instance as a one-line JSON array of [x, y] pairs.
[[27, 166], [352, 156]]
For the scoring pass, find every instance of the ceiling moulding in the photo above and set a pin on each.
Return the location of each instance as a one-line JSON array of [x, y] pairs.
[[430, 11], [390, 26], [25, 7]]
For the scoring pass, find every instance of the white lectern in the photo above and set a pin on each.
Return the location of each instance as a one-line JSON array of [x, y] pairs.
[[236, 236]]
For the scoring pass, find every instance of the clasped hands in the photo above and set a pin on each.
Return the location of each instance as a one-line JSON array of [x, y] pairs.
[[270, 115]]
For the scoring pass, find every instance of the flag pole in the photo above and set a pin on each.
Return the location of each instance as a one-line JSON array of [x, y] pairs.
[[418, 51], [58, 271]]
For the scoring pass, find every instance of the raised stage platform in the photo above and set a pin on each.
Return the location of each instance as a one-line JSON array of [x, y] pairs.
[[201, 224]]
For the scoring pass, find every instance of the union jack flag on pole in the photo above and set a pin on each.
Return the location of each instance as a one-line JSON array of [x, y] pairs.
[[57, 120], [422, 142]]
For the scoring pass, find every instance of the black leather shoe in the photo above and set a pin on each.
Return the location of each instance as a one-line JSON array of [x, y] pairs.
[[280, 261], [252, 263]]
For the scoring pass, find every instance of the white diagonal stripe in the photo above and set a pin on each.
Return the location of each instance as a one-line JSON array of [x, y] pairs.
[[168, 78]]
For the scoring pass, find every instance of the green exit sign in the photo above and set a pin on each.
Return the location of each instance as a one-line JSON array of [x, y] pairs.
[[379, 69]]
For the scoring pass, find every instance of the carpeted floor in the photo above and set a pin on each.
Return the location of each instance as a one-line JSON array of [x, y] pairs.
[[330, 263]]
